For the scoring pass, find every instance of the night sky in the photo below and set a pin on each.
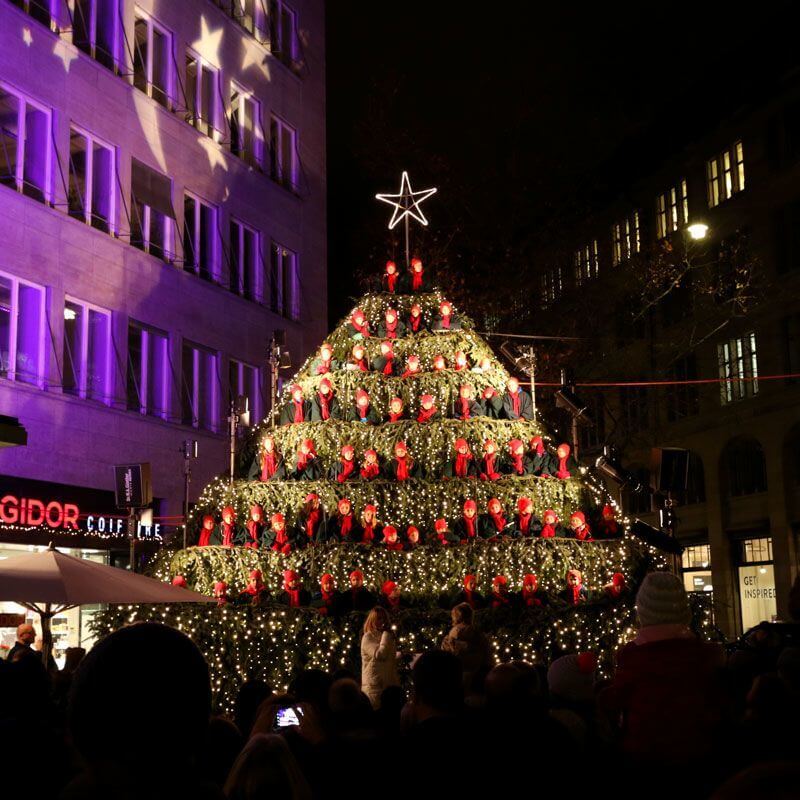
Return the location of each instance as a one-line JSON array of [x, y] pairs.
[[511, 111]]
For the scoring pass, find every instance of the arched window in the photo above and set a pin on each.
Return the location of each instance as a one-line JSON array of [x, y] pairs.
[[744, 470], [695, 482]]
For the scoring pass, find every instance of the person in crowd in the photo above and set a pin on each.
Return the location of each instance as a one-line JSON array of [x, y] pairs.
[[326, 404], [617, 588], [390, 278], [369, 524], [562, 464], [500, 597], [531, 596], [255, 592], [551, 527], [359, 327], [515, 461], [469, 594], [324, 363], [428, 412], [327, 601], [26, 636], [371, 467], [444, 534], [465, 406], [666, 690], [254, 526], [358, 598], [466, 526], [228, 527], [493, 525], [396, 410], [484, 366], [416, 322], [391, 539], [538, 456], [413, 367], [575, 593], [491, 404], [297, 409], [343, 526], [439, 363], [358, 359], [252, 693], [525, 523], [463, 463], [489, 465], [413, 538], [392, 326], [378, 656], [579, 528], [390, 596], [293, 594], [345, 469], [222, 747], [310, 524], [460, 361], [268, 464], [608, 527], [207, 532], [516, 403], [277, 538], [362, 410], [266, 768], [447, 320], [571, 681], [384, 363], [416, 281], [402, 466], [468, 645], [307, 465]]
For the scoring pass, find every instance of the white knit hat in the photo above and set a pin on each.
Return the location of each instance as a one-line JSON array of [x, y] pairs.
[[662, 600], [572, 677]]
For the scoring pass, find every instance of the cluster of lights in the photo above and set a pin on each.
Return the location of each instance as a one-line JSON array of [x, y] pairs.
[[79, 533]]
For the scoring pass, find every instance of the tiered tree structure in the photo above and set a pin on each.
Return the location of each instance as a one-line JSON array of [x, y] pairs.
[[244, 641]]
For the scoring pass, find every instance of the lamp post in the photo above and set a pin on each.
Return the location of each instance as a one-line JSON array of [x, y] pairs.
[[239, 413], [189, 451], [277, 359]]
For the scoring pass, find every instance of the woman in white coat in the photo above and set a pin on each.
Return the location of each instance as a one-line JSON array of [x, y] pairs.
[[378, 656]]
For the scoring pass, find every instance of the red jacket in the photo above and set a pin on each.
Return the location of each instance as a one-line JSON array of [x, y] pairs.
[[669, 698]]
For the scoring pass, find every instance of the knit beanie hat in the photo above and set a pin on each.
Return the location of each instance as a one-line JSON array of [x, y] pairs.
[[662, 600], [572, 677]]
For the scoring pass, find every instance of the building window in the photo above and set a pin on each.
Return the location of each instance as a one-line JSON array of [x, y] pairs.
[[552, 286], [250, 15], [87, 351], [695, 482], [148, 371], [94, 30], [40, 10], [283, 32], [202, 82], [200, 238], [285, 282], [756, 582], [738, 368], [151, 59], [672, 209], [22, 330], [91, 181], [244, 260], [626, 239], [151, 211], [725, 174], [199, 387], [587, 264], [25, 146], [283, 153], [635, 407], [246, 141], [593, 436], [683, 400], [696, 568], [245, 380], [744, 468]]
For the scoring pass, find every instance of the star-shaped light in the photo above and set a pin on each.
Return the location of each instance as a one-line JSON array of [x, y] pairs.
[[65, 53], [406, 203], [27, 36], [208, 43], [254, 56], [214, 152]]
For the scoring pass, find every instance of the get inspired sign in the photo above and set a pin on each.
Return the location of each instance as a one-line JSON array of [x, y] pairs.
[[757, 594]]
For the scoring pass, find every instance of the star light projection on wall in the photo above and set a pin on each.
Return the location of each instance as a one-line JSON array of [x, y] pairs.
[[406, 206]]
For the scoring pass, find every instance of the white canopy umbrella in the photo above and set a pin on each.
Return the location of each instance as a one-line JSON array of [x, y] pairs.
[[50, 582]]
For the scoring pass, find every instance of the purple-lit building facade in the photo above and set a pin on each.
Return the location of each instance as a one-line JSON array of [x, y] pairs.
[[162, 212]]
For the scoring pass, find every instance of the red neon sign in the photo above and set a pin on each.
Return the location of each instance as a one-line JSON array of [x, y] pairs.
[[33, 512]]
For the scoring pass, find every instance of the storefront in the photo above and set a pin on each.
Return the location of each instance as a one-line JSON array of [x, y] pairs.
[[756, 581], [82, 522]]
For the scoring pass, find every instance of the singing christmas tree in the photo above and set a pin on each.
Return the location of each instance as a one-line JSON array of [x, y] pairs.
[[402, 455]]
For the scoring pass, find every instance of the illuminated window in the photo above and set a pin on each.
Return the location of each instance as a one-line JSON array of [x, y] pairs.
[[199, 395], [201, 95], [151, 59], [40, 10], [152, 213], [587, 264], [94, 30], [200, 238], [725, 174], [696, 568], [22, 330], [244, 379], [87, 351], [672, 209], [551, 286], [244, 277], [626, 238], [148, 371], [283, 153], [738, 368], [245, 119], [25, 145], [91, 198], [285, 282], [283, 32]]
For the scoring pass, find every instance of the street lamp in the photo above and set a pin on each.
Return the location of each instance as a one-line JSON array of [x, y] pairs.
[[697, 230]]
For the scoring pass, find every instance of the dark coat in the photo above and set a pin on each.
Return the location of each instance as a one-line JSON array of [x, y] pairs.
[[525, 406], [475, 409], [414, 471], [333, 530], [254, 473], [488, 530], [287, 412], [334, 408], [552, 466], [539, 463], [455, 324], [357, 600], [450, 469], [284, 598], [478, 600], [353, 415], [337, 469], [460, 529], [400, 330], [379, 362], [331, 608], [300, 532], [534, 527], [312, 472], [507, 466], [492, 407]]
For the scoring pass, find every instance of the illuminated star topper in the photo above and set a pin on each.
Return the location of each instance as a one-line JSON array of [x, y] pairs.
[[406, 203]]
